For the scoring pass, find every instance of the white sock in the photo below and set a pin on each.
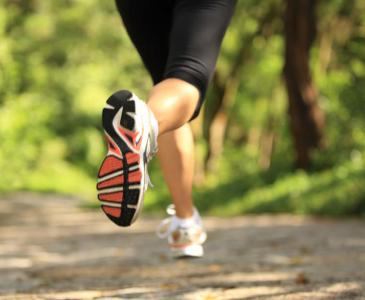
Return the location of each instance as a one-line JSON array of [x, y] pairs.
[[187, 222]]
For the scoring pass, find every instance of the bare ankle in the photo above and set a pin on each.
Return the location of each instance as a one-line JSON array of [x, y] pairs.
[[185, 214]]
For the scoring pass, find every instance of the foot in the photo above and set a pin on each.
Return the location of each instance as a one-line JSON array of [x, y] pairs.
[[185, 237], [131, 133]]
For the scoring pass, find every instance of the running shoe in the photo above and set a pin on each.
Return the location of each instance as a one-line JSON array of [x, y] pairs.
[[131, 133], [184, 240]]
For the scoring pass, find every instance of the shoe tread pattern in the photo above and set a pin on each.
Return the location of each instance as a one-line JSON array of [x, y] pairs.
[[123, 188]]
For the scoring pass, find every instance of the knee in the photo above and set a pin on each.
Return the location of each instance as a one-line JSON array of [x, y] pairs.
[[193, 72]]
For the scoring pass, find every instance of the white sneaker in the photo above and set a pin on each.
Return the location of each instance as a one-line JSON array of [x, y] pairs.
[[184, 240], [131, 132]]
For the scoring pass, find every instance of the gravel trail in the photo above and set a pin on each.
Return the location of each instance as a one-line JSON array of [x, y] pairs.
[[52, 249]]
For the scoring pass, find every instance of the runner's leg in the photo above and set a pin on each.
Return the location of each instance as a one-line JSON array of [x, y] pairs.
[[176, 156], [151, 40]]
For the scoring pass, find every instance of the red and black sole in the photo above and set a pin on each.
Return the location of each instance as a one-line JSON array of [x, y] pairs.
[[120, 194]]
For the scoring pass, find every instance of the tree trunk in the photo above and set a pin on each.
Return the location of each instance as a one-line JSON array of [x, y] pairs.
[[215, 127], [306, 117], [224, 93]]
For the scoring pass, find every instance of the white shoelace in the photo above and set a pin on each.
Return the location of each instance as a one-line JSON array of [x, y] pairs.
[[152, 151], [149, 182], [151, 154], [164, 228]]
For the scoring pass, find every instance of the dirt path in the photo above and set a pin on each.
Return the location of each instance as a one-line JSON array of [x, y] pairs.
[[50, 249]]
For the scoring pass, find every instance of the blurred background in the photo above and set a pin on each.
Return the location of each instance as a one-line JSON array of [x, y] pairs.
[[282, 129]]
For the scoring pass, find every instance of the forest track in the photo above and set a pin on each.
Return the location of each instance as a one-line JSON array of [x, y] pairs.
[[52, 249]]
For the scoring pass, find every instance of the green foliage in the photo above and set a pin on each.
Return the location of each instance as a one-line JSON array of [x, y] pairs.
[[58, 65], [247, 190], [333, 192], [60, 60]]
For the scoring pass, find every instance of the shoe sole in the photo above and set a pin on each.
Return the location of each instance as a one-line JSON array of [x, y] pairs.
[[192, 251], [121, 180]]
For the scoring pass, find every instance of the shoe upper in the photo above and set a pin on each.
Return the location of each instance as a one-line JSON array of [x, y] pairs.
[[180, 236], [147, 127], [183, 237]]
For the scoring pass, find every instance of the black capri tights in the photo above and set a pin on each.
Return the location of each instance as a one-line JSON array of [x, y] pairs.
[[178, 38]]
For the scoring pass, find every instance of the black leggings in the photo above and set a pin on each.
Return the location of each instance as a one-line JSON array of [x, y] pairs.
[[178, 38]]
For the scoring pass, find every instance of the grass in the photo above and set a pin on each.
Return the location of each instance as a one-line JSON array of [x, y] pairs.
[[338, 191], [334, 192]]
